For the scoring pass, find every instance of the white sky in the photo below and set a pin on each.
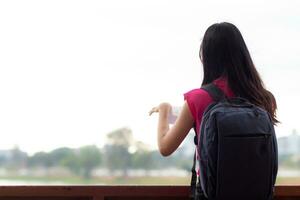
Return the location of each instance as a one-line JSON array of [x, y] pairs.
[[72, 71]]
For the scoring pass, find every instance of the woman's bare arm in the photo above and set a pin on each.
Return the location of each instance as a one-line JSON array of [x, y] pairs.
[[168, 139]]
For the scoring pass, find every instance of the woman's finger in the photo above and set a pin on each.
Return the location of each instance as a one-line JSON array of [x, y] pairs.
[[154, 109]]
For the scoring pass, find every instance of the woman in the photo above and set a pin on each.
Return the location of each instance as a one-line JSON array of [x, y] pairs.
[[228, 64]]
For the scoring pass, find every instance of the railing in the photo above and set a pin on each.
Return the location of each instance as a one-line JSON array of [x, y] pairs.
[[116, 192]]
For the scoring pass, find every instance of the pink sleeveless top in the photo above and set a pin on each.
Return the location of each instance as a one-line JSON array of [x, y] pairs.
[[199, 99]]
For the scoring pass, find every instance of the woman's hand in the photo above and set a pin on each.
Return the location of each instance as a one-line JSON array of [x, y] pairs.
[[163, 107]]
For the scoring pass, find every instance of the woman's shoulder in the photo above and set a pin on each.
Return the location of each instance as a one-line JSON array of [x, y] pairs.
[[202, 97], [220, 82], [197, 99], [197, 96], [196, 93]]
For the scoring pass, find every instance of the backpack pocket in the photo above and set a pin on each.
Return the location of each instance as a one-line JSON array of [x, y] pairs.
[[245, 165]]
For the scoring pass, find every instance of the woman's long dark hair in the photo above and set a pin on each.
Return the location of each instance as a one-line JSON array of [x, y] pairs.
[[223, 52]]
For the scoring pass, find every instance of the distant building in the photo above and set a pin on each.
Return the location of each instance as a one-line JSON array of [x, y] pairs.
[[5, 155], [289, 145]]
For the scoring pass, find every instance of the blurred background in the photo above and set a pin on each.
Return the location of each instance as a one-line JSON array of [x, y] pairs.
[[77, 79]]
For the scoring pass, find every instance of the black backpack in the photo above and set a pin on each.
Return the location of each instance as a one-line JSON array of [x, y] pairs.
[[237, 151]]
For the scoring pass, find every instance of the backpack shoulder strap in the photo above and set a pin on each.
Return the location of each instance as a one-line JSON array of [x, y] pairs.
[[217, 95], [215, 92]]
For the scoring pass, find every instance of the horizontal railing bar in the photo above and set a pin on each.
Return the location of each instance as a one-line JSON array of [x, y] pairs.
[[101, 191]]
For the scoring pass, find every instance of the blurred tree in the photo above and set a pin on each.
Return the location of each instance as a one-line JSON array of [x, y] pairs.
[[117, 155], [18, 158], [66, 157], [57, 156], [71, 161], [142, 158], [89, 158], [41, 159], [53, 158]]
